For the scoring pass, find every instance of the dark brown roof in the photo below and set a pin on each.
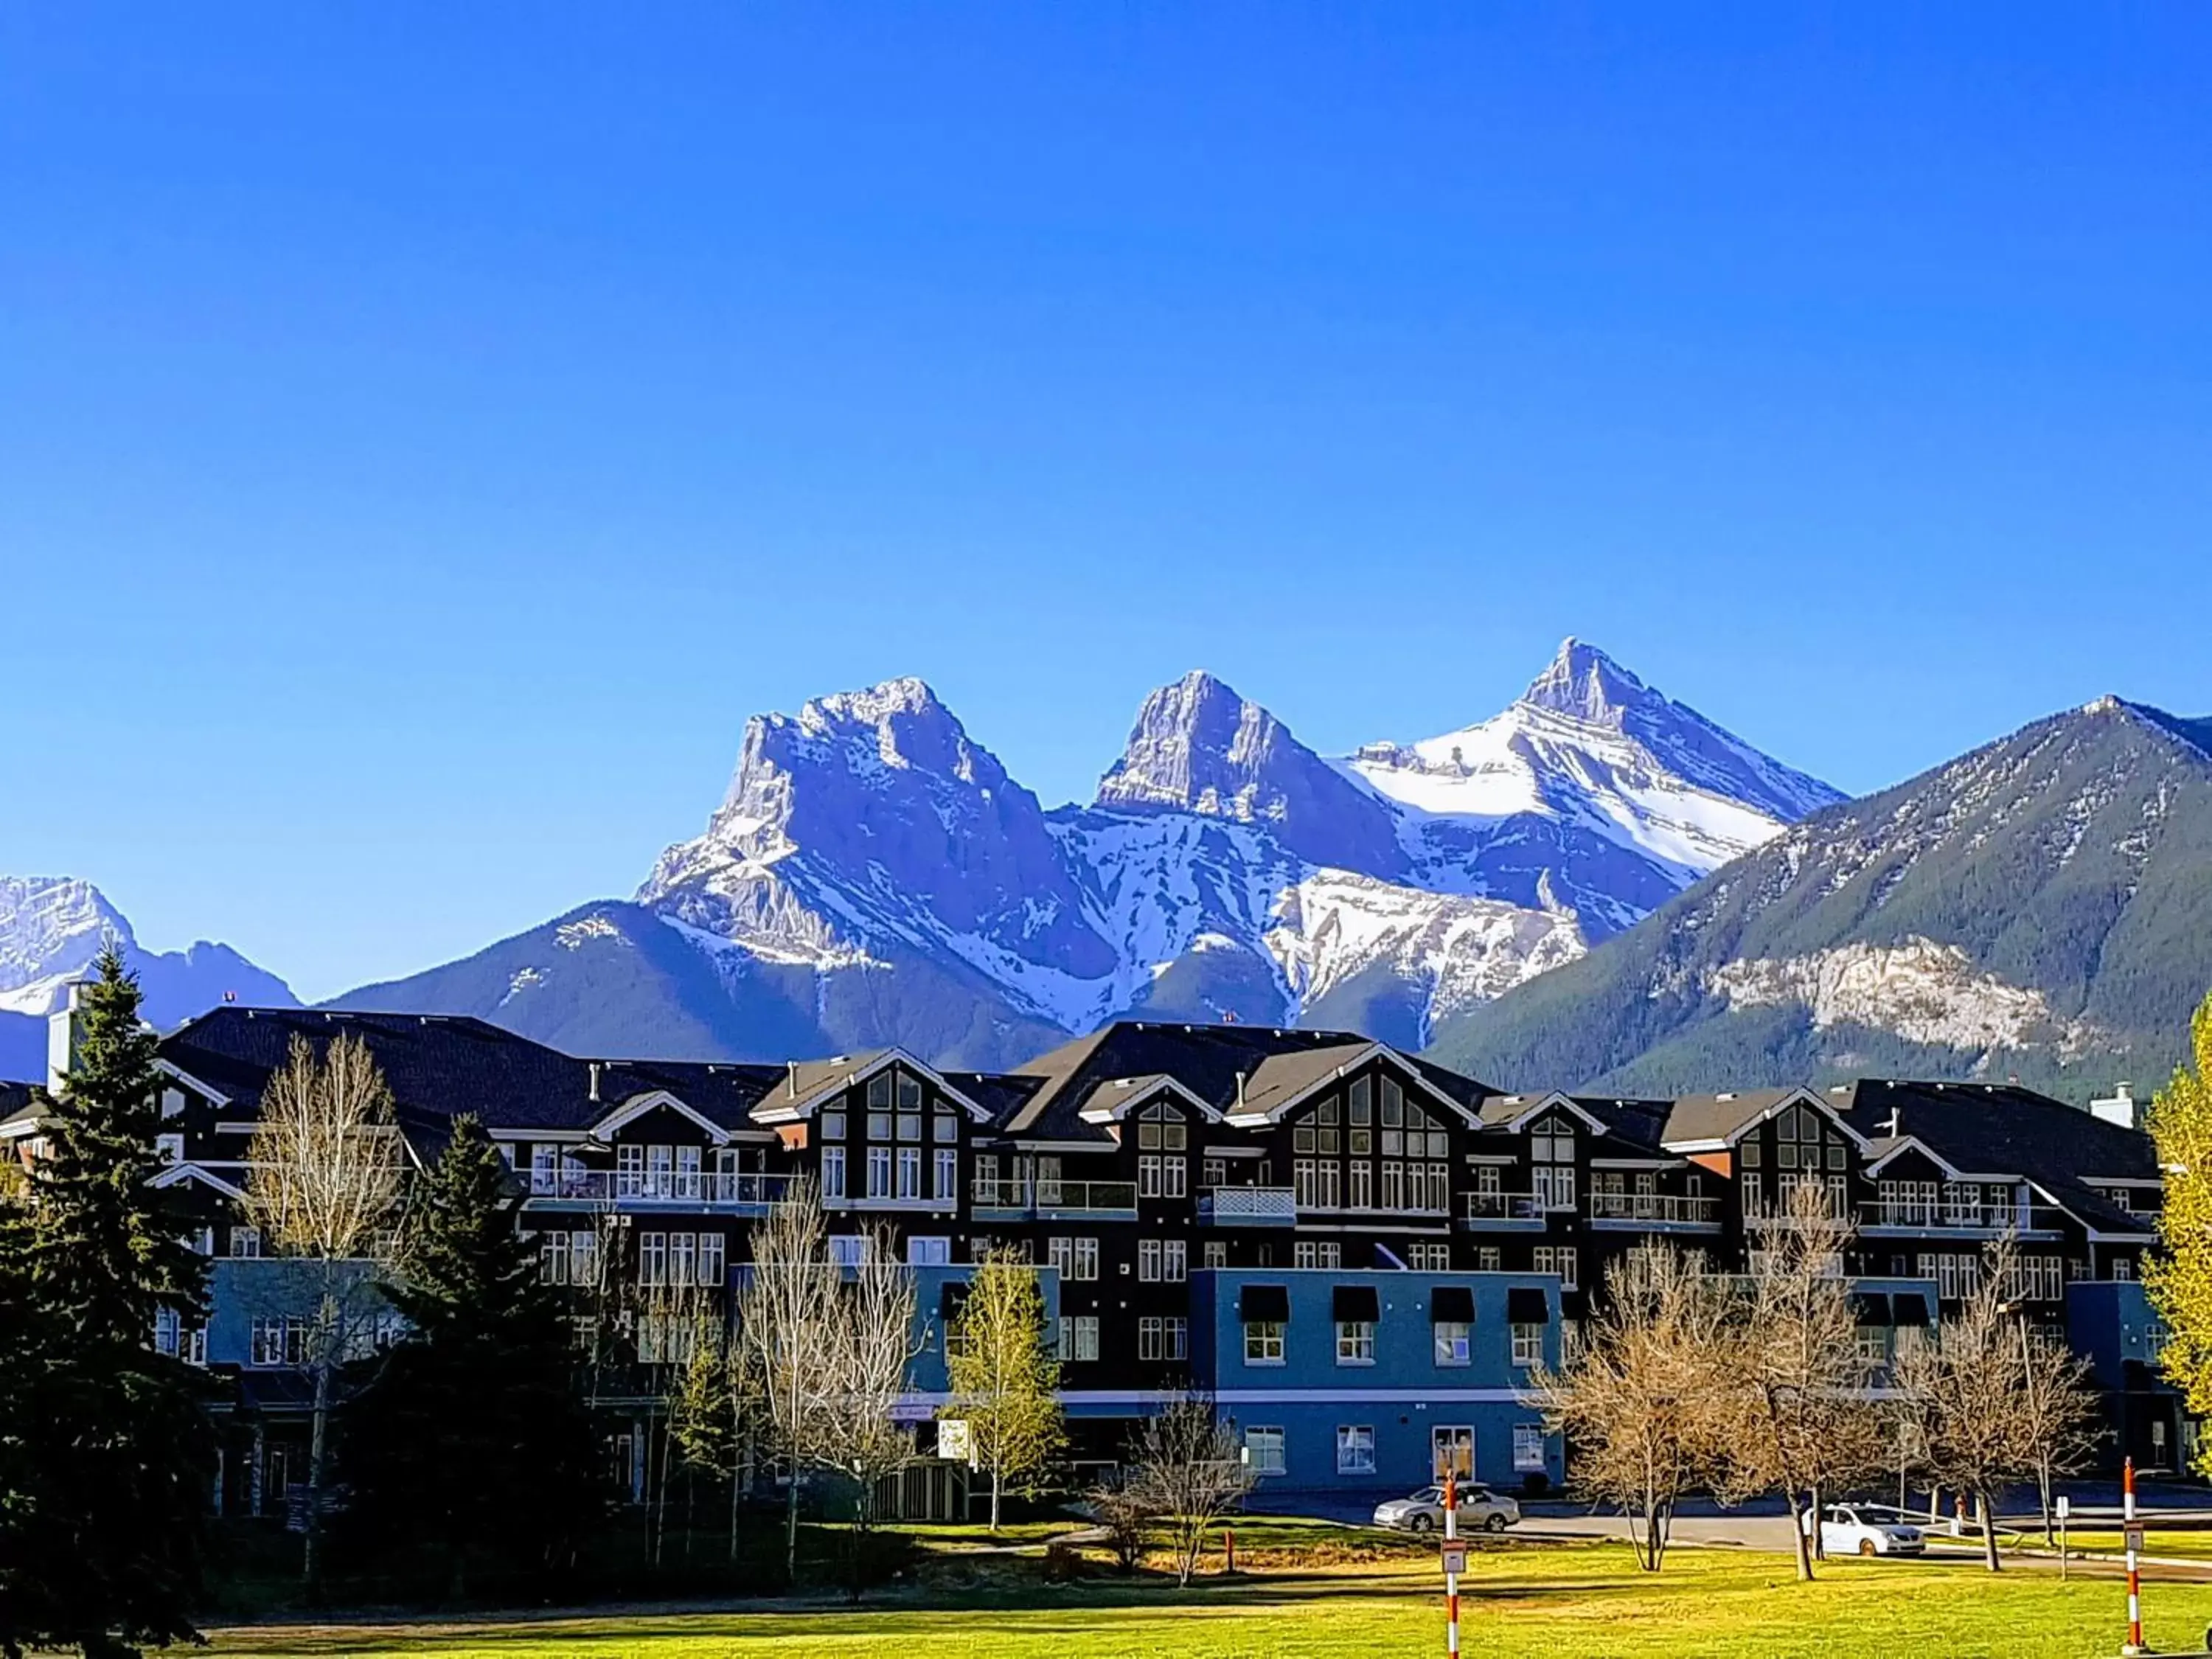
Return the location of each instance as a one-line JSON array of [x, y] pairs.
[[1715, 1117]]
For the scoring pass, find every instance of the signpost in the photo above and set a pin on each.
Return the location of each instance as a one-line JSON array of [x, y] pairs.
[[1454, 1563], [2064, 1508]]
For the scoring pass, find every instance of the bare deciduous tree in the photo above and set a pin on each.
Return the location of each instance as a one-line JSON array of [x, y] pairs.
[[325, 1170], [1188, 1472], [1642, 1401], [785, 1313], [1124, 1514], [873, 1342], [2060, 1420], [1799, 1413]]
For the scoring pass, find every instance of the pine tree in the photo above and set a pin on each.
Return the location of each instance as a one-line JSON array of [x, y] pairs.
[[471, 1440], [2180, 1277], [115, 1478]]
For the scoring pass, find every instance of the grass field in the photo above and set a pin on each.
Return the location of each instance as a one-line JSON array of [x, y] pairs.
[[1356, 1594]]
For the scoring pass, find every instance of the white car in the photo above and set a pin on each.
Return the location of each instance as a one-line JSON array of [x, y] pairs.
[[1479, 1508], [1857, 1529]]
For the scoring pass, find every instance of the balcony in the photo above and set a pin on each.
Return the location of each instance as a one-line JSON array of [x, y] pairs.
[[1892, 1218], [1054, 1201], [1659, 1212], [750, 1193], [1248, 1206], [1503, 1213]]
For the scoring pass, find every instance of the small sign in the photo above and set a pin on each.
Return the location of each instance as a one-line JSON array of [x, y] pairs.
[[2065, 1509], [1455, 1559], [2133, 1539], [955, 1444]]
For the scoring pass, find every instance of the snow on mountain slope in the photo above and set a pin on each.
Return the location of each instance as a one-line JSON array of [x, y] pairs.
[[1592, 790], [51, 927]]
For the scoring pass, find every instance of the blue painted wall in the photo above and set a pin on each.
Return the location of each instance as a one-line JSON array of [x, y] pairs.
[[1404, 1396]]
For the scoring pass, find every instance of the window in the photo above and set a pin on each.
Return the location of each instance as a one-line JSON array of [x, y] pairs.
[[1161, 1129], [1363, 1182], [879, 1126], [1078, 1337], [1148, 1260], [660, 1172], [203, 1241], [987, 1178], [713, 1260], [1073, 1258], [1355, 1342], [1454, 1344], [1429, 1258], [1263, 1341], [1393, 1103], [948, 1174], [2124, 1268], [1360, 1101], [1304, 1185], [1213, 1172], [879, 1172], [1177, 1180], [687, 1173], [944, 1128], [1216, 1253], [172, 1103], [246, 1241], [1086, 1259], [683, 1258], [879, 1097], [909, 1172], [553, 1258], [1162, 1339], [849, 1249], [1527, 1345], [1308, 1253], [1394, 1185], [1487, 1259], [910, 1126], [1527, 1447], [1175, 1260], [833, 1172], [629, 1171], [1148, 1176], [909, 1093], [1355, 1445], [1560, 1260], [833, 1126], [653, 1259], [1264, 1449], [1754, 1193], [584, 1258], [928, 1252], [170, 1149], [277, 1340]]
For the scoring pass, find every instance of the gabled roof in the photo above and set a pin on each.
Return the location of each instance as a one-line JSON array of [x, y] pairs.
[[1981, 1128], [1641, 1124], [1270, 1067], [1701, 1123], [1113, 1100], [808, 1083], [1510, 1112]]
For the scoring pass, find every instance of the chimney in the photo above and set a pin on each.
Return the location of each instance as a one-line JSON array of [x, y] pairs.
[[1240, 1091], [594, 1095], [2120, 1107], [61, 1039], [791, 1079]]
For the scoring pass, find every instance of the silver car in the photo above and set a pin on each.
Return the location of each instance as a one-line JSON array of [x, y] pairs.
[[1866, 1529], [1423, 1511]]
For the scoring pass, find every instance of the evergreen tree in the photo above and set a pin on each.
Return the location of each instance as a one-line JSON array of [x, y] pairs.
[[115, 1476], [471, 1440]]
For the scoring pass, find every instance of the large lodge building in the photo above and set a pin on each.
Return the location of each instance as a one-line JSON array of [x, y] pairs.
[[1358, 1254]]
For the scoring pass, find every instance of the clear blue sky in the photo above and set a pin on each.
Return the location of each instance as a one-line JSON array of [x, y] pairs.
[[426, 433]]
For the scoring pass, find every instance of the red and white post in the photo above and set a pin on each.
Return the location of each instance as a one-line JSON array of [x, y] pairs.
[[2134, 1582], [1451, 1579]]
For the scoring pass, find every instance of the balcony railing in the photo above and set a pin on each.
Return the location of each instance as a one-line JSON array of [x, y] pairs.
[[1043, 1197], [1938, 1216], [1661, 1209], [1249, 1206], [706, 1189], [1503, 1207]]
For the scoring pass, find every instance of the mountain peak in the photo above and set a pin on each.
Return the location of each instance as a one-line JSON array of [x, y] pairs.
[[1198, 746], [873, 705], [1581, 681]]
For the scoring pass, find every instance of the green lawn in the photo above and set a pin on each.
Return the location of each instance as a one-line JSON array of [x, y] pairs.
[[2194, 1543], [1567, 1600]]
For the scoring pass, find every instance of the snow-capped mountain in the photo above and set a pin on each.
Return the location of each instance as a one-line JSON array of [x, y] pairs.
[[872, 858], [51, 929]]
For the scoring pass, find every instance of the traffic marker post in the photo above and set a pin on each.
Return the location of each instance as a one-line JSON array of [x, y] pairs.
[[2133, 1535], [2064, 1508], [1454, 1563]]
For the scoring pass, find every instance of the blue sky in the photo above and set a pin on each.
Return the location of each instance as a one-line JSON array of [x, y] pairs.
[[427, 432]]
